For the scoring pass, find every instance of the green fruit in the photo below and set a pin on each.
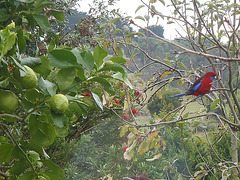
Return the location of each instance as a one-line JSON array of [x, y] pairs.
[[27, 79], [34, 156], [108, 64], [8, 102], [59, 103]]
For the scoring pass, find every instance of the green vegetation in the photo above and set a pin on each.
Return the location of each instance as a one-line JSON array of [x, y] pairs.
[[93, 101], [162, 102]]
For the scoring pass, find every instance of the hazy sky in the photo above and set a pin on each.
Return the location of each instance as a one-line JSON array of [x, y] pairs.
[[129, 7]]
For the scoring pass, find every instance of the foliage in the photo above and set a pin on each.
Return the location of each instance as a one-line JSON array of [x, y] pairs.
[[29, 133], [205, 45], [95, 155], [95, 82], [161, 101], [158, 30]]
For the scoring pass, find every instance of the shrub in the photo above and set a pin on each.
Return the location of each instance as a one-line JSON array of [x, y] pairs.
[[162, 102]]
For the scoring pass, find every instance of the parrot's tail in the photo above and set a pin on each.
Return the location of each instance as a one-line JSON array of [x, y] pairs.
[[177, 95]]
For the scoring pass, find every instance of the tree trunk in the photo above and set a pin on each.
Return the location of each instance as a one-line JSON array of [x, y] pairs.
[[234, 150]]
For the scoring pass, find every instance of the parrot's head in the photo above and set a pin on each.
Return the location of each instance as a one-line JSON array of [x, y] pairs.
[[210, 75]]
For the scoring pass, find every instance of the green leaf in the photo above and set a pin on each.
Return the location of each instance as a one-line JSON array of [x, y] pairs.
[[34, 95], [3, 140], [62, 58], [107, 86], [19, 167], [114, 20], [119, 52], [59, 15], [88, 59], [85, 101], [124, 130], [57, 172], [80, 73], [65, 77], [44, 68], [138, 75], [40, 4], [181, 65], [27, 176], [62, 132], [5, 152], [97, 100], [99, 54], [51, 45], [117, 31], [77, 54], [168, 61], [4, 14], [59, 120], [42, 133], [85, 58], [47, 87], [139, 7], [170, 22], [31, 61], [42, 21], [214, 104], [21, 41], [162, 1], [118, 60], [165, 74], [140, 17], [119, 77], [199, 177], [116, 68], [8, 43]]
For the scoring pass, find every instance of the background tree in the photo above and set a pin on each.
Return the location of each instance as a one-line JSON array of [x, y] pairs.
[[48, 89], [212, 23]]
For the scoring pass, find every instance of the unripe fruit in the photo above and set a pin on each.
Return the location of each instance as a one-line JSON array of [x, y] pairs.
[[8, 102], [108, 64], [59, 103], [29, 80], [34, 156]]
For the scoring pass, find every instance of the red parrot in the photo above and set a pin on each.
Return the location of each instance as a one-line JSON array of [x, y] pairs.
[[200, 86]]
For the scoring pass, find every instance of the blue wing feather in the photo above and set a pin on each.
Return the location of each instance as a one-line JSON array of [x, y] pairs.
[[194, 87], [191, 90]]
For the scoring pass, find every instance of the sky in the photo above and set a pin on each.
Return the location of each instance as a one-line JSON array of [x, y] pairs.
[[129, 7]]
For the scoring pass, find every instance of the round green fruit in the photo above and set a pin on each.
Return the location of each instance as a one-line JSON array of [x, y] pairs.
[[59, 103], [28, 80], [8, 102]]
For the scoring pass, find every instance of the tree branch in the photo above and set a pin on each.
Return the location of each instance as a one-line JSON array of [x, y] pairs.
[[186, 50]]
